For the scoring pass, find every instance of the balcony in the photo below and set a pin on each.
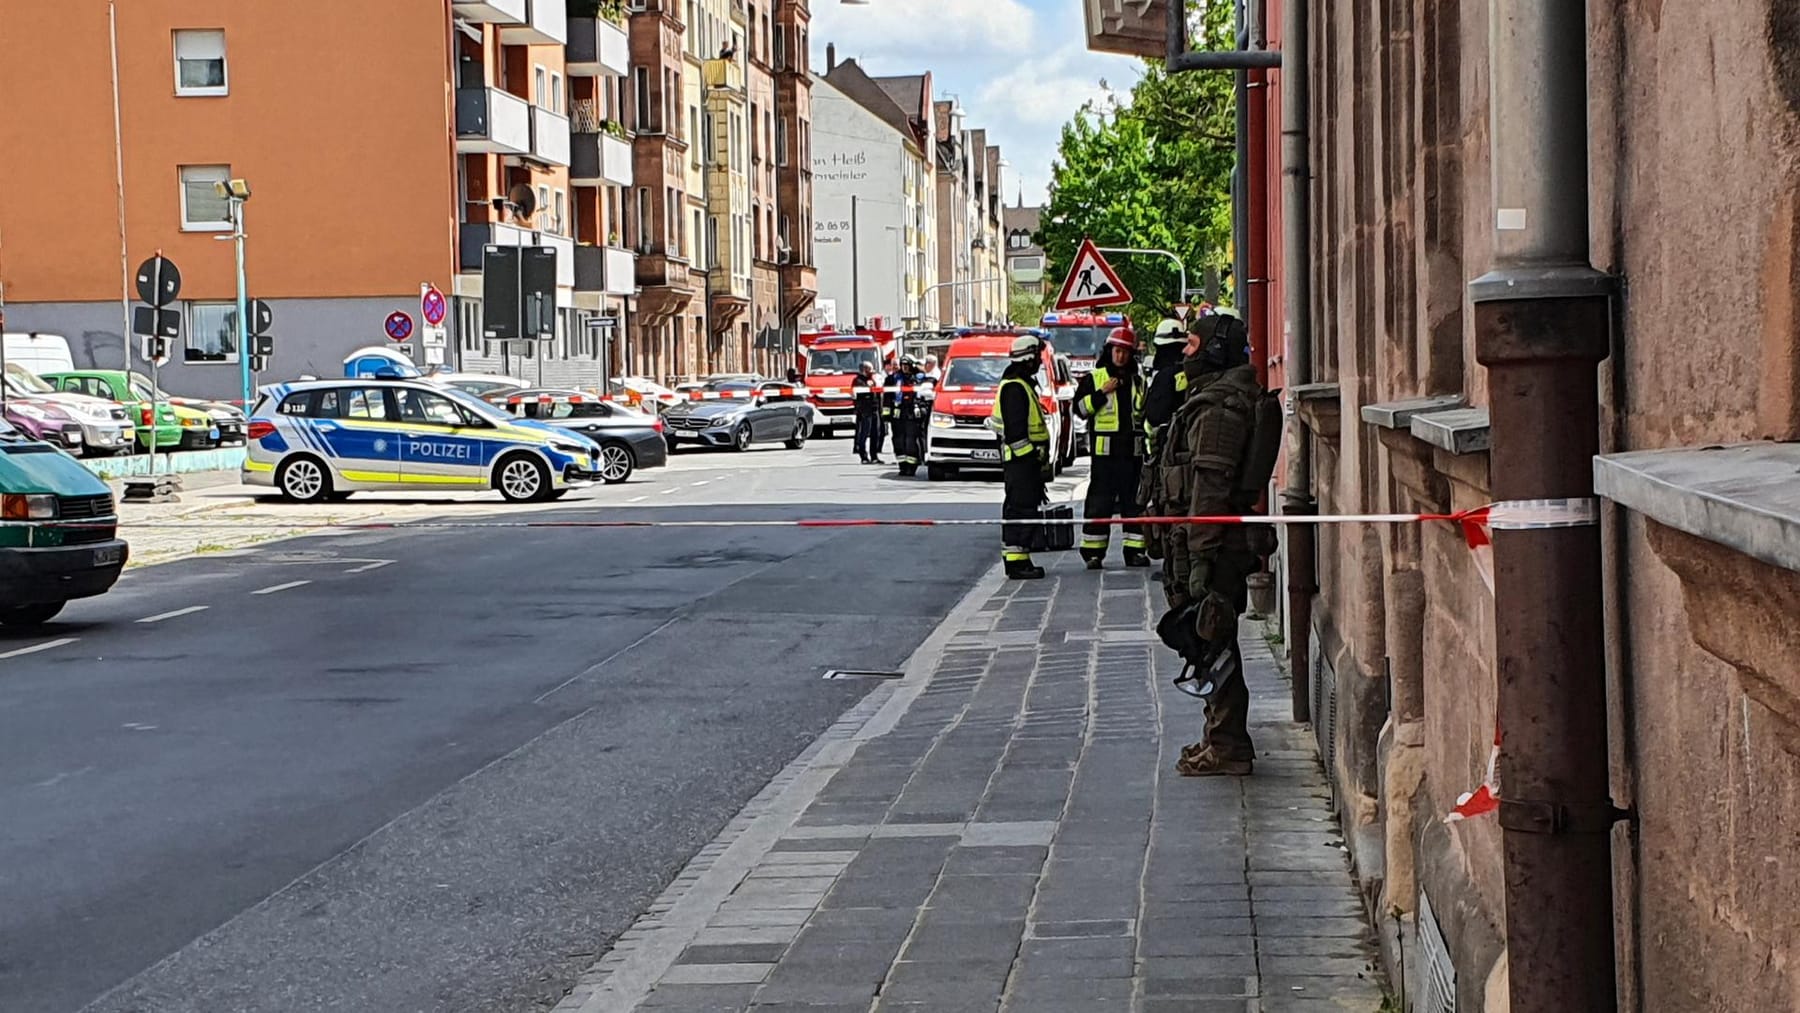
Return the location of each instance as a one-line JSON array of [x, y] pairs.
[[490, 12], [600, 159], [723, 74], [547, 24], [565, 257], [549, 137], [473, 237], [493, 121], [605, 269], [596, 47]]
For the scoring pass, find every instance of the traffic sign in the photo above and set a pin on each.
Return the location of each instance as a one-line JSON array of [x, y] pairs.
[[158, 281], [150, 322], [1181, 311], [399, 326], [432, 307], [1092, 282], [261, 317]]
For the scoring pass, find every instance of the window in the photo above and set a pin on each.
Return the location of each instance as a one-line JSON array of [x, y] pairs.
[[712, 242], [755, 53], [781, 142], [556, 92], [641, 98], [674, 223], [544, 199], [202, 209], [643, 219], [697, 233], [561, 224], [296, 404], [781, 49], [540, 80], [427, 407], [755, 141], [694, 118], [349, 403], [706, 140], [200, 61], [693, 36], [212, 332]]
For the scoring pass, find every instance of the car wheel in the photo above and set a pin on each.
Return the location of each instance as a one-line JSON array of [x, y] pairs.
[[798, 440], [615, 463], [937, 472], [740, 437], [303, 479], [522, 478], [31, 615]]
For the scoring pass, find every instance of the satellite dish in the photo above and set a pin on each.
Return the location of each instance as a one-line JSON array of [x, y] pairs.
[[524, 198]]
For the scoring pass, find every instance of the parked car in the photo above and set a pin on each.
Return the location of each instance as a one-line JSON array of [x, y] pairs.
[[66, 545], [105, 427], [629, 439], [181, 426], [478, 384], [44, 420], [738, 422], [325, 439]]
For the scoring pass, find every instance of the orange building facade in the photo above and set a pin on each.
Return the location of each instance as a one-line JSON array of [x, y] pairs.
[[373, 146]]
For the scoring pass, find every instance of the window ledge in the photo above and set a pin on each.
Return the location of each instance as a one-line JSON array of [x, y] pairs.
[[1745, 497], [1458, 431], [1399, 414]]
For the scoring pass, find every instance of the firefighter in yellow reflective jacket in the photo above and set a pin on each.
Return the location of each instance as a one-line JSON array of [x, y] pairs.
[[1111, 399], [1018, 418]]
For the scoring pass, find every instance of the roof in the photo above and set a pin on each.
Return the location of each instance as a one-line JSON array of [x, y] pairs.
[[849, 78], [907, 91]]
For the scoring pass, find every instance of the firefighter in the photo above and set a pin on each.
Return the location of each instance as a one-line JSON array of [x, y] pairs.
[[1111, 399], [911, 405], [1018, 418], [1213, 445], [867, 401], [1168, 386]]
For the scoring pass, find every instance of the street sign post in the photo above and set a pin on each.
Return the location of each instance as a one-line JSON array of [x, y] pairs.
[[1092, 283], [158, 284], [518, 293], [432, 306], [1130, 27], [399, 327], [158, 281]]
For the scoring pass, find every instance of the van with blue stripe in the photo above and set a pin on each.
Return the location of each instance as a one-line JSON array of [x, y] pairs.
[[325, 439]]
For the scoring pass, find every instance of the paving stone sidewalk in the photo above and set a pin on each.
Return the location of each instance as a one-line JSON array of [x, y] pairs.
[[1017, 840]]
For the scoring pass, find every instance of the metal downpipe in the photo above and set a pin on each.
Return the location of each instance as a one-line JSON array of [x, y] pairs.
[[1297, 497], [1542, 325]]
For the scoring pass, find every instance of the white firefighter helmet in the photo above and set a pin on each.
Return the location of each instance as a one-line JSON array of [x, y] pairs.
[[1025, 347]]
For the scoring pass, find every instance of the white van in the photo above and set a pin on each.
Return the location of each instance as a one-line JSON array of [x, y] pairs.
[[39, 352]]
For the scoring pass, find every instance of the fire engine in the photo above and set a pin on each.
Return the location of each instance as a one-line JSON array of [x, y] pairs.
[[828, 360]]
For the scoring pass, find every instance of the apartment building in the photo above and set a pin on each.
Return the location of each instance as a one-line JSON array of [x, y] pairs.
[[669, 326], [799, 283], [955, 218], [476, 109], [725, 114], [1024, 257], [764, 321]]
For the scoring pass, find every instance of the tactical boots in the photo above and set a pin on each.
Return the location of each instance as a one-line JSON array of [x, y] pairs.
[[1206, 763], [1136, 558], [1023, 569]]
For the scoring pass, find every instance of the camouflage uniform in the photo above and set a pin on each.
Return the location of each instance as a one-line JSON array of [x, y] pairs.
[[1213, 429]]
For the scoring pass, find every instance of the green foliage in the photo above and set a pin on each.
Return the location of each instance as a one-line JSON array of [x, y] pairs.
[[1025, 304], [1151, 170]]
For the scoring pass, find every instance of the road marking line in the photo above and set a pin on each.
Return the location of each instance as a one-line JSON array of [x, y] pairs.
[[283, 587], [666, 492], [637, 499], [703, 481], [190, 610], [34, 648], [366, 567]]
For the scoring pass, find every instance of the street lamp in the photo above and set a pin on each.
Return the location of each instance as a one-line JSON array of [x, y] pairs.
[[236, 192]]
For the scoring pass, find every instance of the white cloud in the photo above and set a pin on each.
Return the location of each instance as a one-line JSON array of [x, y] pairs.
[[890, 32]]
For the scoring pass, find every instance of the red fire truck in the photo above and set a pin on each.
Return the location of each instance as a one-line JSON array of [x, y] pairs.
[[829, 360]]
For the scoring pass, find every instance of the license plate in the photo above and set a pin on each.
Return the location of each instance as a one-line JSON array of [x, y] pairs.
[[108, 556], [987, 455]]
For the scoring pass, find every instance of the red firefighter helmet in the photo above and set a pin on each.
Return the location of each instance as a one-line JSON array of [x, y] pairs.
[[1122, 337]]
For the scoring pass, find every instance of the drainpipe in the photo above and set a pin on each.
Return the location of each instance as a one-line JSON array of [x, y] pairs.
[[1240, 182], [1297, 498], [1541, 327]]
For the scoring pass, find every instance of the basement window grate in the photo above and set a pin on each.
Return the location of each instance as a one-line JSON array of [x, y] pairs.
[[851, 673], [1437, 992]]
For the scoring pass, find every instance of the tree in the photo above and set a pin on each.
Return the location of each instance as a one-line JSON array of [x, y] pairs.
[[1025, 304], [1150, 170]]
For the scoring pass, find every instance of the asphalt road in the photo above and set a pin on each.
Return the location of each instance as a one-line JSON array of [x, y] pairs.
[[436, 770]]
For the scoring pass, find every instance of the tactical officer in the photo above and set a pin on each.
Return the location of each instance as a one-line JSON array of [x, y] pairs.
[[910, 397], [867, 401], [1018, 417], [1208, 443], [1111, 399]]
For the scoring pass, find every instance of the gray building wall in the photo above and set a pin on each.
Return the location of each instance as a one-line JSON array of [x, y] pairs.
[[312, 336]]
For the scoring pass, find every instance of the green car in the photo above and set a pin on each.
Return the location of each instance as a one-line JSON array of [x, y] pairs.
[[58, 531], [183, 426]]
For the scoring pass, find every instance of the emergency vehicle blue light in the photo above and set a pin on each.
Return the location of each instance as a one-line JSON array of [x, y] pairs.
[[1050, 318], [1115, 318]]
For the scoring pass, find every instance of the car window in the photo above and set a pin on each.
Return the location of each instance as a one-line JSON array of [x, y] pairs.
[[19, 375], [578, 410], [425, 406], [365, 403], [297, 404], [975, 371], [142, 391], [325, 406]]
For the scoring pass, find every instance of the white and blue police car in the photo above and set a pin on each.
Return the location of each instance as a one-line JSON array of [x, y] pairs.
[[324, 439]]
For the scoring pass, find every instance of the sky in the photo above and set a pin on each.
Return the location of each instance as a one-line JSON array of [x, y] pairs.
[[1020, 68]]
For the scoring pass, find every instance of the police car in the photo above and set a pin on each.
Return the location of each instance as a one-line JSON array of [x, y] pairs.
[[324, 439]]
